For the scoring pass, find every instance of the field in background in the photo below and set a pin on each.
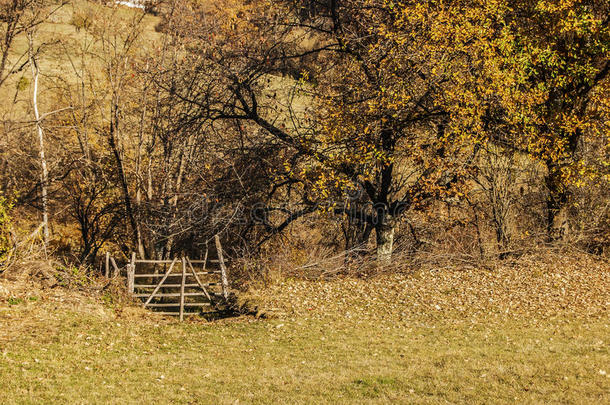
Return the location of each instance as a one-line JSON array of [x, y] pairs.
[[419, 337], [60, 41]]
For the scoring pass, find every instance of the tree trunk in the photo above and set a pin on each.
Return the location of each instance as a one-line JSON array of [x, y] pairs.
[[112, 140], [138, 167], [384, 227], [44, 175], [556, 204], [385, 241]]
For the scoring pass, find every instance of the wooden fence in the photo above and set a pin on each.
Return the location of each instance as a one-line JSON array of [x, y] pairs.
[[195, 285]]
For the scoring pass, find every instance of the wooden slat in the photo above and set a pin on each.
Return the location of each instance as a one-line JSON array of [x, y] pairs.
[[117, 272], [182, 288], [153, 261], [200, 273], [177, 313], [177, 304], [150, 261], [223, 269], [197, 278], [175, 285], [188, 294], [204, 261], [132, 272]]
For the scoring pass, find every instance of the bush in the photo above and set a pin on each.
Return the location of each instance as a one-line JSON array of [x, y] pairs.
[[5, 226], [82, 19], [23, 84]]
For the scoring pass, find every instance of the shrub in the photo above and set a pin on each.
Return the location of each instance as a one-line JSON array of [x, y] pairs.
[[5, 226], [82, 19], [23, 84]]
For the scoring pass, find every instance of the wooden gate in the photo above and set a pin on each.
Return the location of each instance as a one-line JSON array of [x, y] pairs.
[[184, 284]]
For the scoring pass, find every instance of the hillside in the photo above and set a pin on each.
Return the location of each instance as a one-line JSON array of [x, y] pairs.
[[60, 42]]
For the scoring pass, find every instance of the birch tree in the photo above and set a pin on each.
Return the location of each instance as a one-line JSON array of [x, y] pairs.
[[44, 173]]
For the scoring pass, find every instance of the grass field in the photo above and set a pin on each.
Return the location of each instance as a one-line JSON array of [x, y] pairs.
[[60, 42], [70, 348]]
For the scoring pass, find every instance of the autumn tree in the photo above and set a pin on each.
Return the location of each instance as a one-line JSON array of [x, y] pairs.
[[379, 105], [551, 92], [22, 18]]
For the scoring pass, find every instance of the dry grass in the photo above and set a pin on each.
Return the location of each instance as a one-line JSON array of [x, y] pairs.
[[431, 337]]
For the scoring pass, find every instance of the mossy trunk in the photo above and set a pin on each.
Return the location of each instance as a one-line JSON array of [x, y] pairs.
[[385, 241]]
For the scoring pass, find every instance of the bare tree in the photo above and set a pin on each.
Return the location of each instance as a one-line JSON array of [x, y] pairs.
[[18, 17]]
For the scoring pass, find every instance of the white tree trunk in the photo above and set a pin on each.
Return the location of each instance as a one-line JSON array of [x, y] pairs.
[[44, 175]]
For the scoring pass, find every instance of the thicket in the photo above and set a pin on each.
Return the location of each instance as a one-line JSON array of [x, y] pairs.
[[309, 134]]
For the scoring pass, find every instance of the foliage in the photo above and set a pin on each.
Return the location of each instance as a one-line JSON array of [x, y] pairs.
[[372, 117], [554, 58], [327, 121], [83, 19]]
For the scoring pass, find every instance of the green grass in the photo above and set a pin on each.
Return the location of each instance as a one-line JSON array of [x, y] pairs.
[[533, 331], [79, 357]]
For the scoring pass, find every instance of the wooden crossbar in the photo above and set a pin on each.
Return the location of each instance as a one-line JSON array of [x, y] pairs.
[[195, 261], [108, 271], [200, 273], [176, 285], [115, 267], [185, 314], [177, 304], [161, 282], [186, 294], [197, 278]]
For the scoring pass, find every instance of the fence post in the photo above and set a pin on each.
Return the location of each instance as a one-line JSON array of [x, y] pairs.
[[182, 289], [131, 271], [223, 269], [107, 269]]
